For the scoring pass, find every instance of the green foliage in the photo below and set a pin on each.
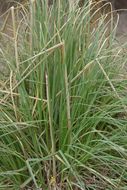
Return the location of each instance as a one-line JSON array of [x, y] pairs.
[[63, 109]]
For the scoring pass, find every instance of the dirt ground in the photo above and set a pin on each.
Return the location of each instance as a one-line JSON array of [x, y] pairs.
[[122, 27]]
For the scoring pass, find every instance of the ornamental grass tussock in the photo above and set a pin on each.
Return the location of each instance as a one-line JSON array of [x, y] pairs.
[[62, 101]]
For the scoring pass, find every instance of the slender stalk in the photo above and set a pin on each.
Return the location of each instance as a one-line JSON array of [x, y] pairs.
[[15, 35], [67, 98], [11, 93], [17, 94], [32, 24], [51, 127], [67, 91]]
